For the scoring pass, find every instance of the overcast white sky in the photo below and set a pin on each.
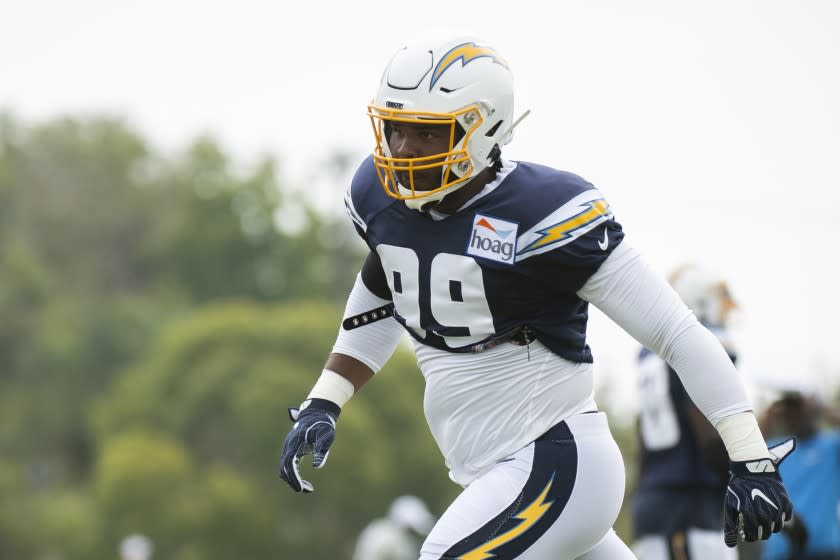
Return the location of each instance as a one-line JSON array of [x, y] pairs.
[[712, 127]]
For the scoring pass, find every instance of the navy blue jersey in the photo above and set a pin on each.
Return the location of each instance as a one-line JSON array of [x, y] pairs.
[[671, 511], [672, 466], [514, 258], [669, 453]]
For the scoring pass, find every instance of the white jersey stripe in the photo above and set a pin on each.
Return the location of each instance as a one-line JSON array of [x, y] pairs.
[[351, 211]]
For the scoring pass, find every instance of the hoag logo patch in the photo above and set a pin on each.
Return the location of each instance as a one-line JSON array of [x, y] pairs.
[[493, 239]]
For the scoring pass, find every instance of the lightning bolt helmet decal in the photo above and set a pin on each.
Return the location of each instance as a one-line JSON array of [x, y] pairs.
[[466, 53]]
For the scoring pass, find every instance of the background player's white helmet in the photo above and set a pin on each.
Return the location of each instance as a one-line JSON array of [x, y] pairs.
[[704, 292], [456, 81], [136, 547], [411, 512]]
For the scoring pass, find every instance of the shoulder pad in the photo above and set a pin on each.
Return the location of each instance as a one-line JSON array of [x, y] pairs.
[[365, 197], [565, 219]]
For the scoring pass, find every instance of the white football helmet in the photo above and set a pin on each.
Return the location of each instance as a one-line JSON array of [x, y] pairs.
[[704, 292], [412, 513], [136, 547], [457, 81]]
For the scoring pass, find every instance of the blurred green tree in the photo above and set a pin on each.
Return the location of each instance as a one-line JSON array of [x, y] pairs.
[[103, 241], [219, 382]]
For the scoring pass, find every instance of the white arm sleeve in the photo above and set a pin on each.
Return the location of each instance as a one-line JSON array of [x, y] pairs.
[[371, 344], [641, 302]]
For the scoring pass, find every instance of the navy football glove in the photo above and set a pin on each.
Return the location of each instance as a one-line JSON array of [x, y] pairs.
[[313, 432], [756, 503]]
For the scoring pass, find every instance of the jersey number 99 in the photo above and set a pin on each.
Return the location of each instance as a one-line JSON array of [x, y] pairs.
[[451, 294]]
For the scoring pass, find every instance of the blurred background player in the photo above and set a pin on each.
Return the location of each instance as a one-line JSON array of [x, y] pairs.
[[683, 465], [398, 535], [811, 475], [136, 547]]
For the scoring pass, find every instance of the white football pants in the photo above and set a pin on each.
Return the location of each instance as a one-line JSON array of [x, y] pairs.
[[555, 499], [694, 544]]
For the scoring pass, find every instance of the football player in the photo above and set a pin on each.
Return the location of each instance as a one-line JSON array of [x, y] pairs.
[[395, 536], [490, 266], [812, 475], [683, 466]]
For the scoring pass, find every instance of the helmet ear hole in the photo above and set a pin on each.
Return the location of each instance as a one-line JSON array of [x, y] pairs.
[[494, 129]]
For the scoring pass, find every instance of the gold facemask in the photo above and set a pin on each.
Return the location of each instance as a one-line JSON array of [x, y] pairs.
[[387, 167]]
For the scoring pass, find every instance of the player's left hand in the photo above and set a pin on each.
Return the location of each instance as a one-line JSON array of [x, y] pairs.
[[757, 504]]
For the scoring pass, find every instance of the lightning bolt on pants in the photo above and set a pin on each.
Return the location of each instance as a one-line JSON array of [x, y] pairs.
[[555, 499]]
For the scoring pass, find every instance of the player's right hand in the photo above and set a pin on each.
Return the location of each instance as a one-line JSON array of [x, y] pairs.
[[756, 503], [313, 432]]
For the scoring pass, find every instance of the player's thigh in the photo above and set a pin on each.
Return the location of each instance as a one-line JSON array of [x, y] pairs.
[[693, 544], [586, 523], [558, 496]]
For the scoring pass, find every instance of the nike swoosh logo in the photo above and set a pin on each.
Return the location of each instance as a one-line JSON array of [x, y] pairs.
[[606, 242], [756, 493]]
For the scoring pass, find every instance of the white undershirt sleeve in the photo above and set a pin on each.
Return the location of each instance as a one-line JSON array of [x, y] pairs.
[[641, 302], [373, 343]]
